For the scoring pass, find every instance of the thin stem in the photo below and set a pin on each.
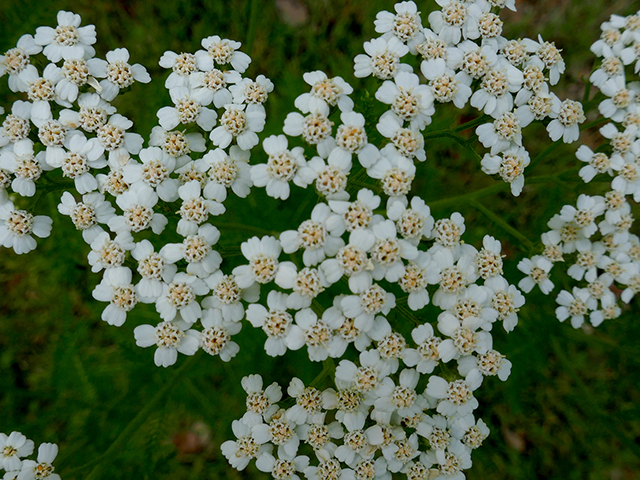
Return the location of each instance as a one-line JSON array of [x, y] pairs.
[[502, 223], [253, 20], [457, 138]]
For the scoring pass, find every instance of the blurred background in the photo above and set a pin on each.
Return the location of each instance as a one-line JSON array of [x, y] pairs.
[[571, 408]]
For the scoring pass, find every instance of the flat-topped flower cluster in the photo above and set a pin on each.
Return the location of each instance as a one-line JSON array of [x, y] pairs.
[[357, 275], [593, 237]]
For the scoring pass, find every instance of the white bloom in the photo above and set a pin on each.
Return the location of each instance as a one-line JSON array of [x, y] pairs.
[[13, 447], [221, 51], [212, 86], [549, 55], [306, 284], [179, 298], [405, 24], [407, 141], [575, 306], [170, 338], [503, 133], [226, 296], [446, 85], [409, 100], [239, 453], [88, 214], [215, 338], [587, 210], [115, 139], [42, 468], [565, 126], [17, 226], [230, 170], [196, 250], [262, 254], [25, 165], [154, 171], [137, 205], [107, 253], [370, 302], [283, 166], [154, 269], [276, 322], [382, 58], [188, 109], [16, 125], [456, 397], [177, 144], [195, 209], [325, 93], [494, 95], [251, 91], [457, 19], [68, 39], [320, 236], [183, 66], [16, 62], [118, 73], [116, 288], [537, 270], [317, 334], [240, 124]]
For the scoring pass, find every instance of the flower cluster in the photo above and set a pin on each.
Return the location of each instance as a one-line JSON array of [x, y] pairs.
[[371, 426], [593, 237], [15, 447]]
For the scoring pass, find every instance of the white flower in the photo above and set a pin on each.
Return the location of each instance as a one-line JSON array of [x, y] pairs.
[[221, 51], [363, 307], [494, 95], [351, 138], [251, 91], [549, 55], [211, 86], [106, 253], [12, 448], [154, 171], [426, 357], [503, 133], [317, 334], [68, 39], [405, 24], [262, 254], [382, 58], [118, 73], [226, 296], [240, 124], [446, 85], [179, 298], [239, 453], [277, 323], [16, 227], [93, 113], [183, 66], [227, 171], [117, 289], [82, 156], [41, 468], [195, 209], [409, 100], [506, 300], [170, 338], [315, 129], [115, 139], [457, 19], [320, 236], [154, 269], [306, 284], [408, 142], [188, 109], [325, 93], [16, 62], [566, 126], [414, 222], [575, 306], [456, 397], [261, 403], [177, 144], [285, 466], [137, 205], [331, 180], [620, 97], [401, 399], [589, 208], [283, 166], [537, 270], [215, 338], [597, 162], [16, 125], [26, 166], [88, 214], [196, 250]]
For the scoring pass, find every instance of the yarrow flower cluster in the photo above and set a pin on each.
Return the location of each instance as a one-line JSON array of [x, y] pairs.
[[369, 271], [593, 236], [14, 450]]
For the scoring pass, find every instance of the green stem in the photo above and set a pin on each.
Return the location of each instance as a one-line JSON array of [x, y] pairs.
[[246, 228], [457, 138], [251, 32], [121, 440], [328, 369], [502, 223], [472, 123]]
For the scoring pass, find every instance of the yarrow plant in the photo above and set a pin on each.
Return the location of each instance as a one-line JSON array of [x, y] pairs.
[[394, 301]]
